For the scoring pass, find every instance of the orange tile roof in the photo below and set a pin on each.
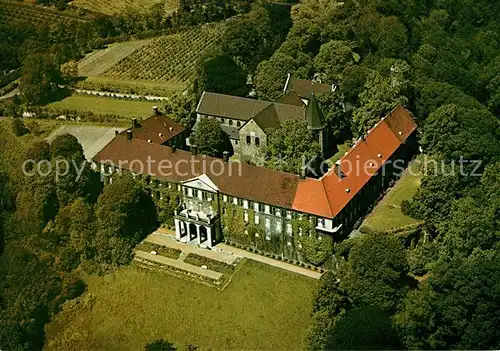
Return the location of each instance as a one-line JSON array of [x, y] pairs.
[[358, 166]]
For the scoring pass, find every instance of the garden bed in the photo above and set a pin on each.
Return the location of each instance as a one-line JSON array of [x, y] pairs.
[[197, 260], [160, 250]]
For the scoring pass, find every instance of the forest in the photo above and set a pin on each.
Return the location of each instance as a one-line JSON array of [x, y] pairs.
[[438, 289]]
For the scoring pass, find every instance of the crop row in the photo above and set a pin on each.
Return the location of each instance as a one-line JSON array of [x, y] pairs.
[[167, 59], [15, 13]]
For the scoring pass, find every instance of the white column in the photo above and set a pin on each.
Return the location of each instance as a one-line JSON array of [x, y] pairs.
[[178, 231], [209, 237], [198, 234], [188, 228]]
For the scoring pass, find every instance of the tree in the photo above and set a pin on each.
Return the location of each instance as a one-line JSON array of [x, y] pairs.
[[160, 345], [210, 138], [455, 132], [271, 75], [456, 307], [39, 79], [67, 146], [38, 151], [291, 146], [334, 115], [334, 57], [220, 74], [18, 127], [382, 93], [125, 209], [375, 273], [181, 108], [330, 303], [364, 328]]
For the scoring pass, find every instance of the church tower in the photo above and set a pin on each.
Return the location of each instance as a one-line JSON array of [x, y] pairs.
[[316, 124]]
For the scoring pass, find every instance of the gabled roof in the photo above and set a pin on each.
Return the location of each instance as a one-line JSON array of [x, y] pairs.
[[357, 167], [157, 128], [291, 98], [313, 114], [304, 87], [267, 118], [229, 106], [232, 178]]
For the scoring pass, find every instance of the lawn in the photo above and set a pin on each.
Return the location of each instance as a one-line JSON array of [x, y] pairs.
[[263, 308], [387, 214], [103, 105]]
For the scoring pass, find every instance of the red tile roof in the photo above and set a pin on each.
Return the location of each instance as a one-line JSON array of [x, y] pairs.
[[324, 197], [233, 178], [358, 165], [157, 128]]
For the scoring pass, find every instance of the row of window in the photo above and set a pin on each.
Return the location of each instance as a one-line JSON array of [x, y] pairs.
[[249, 141]]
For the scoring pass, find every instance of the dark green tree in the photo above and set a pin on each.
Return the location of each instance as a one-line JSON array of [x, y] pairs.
[[291, 146], [39, 79], [220, 74], [375, 273], [210, 138], [18, 127]]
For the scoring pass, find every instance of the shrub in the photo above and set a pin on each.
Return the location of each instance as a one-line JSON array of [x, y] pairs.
[[405, 207], [18, 127]]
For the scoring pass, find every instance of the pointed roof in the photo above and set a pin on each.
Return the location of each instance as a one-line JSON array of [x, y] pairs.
[[267, 118], [313, 114], [291, 98]]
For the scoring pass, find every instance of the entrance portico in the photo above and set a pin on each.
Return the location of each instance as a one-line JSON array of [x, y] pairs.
[[196, 228]]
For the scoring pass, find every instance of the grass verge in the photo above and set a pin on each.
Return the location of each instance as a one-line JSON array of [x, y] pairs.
[[387, 214]]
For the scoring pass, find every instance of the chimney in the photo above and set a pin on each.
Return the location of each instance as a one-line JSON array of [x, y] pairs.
[[194, 150], [156, 110], [129, 135], [225, 156], [338, 169]]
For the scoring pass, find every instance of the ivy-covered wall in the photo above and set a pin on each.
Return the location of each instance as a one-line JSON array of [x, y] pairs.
[[166, 198]]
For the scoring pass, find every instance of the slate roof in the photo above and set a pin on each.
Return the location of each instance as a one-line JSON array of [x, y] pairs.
[[291, 98], [267, 114], [304, 87], [157, 128], [313, 114], [230, 106]]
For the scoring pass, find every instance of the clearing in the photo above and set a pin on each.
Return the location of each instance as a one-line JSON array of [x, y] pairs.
[[113, 7], [103, 106], [264, 308], [387, 214]]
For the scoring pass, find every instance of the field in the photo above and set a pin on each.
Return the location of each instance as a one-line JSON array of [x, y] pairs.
[[112, 7], [169, 59], [14, 12], [264, 308], [98, 62], [387, 214], [102, 105]]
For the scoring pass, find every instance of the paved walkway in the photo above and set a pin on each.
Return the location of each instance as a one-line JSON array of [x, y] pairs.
[[164, 240], [178, 264], [269, 261]]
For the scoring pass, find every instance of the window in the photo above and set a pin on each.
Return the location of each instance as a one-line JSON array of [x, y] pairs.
[[245, 204], [261, 208], [321, 222], [224, 198], [267, 209], [245, 216], [238, 124], [288, 214], [195, 193], [256, 207], [222, 120], [249, 140], [236, 142], [235, 200], [289, 229], [279, 226], [230, 122], [257, 141], [257, 219]]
